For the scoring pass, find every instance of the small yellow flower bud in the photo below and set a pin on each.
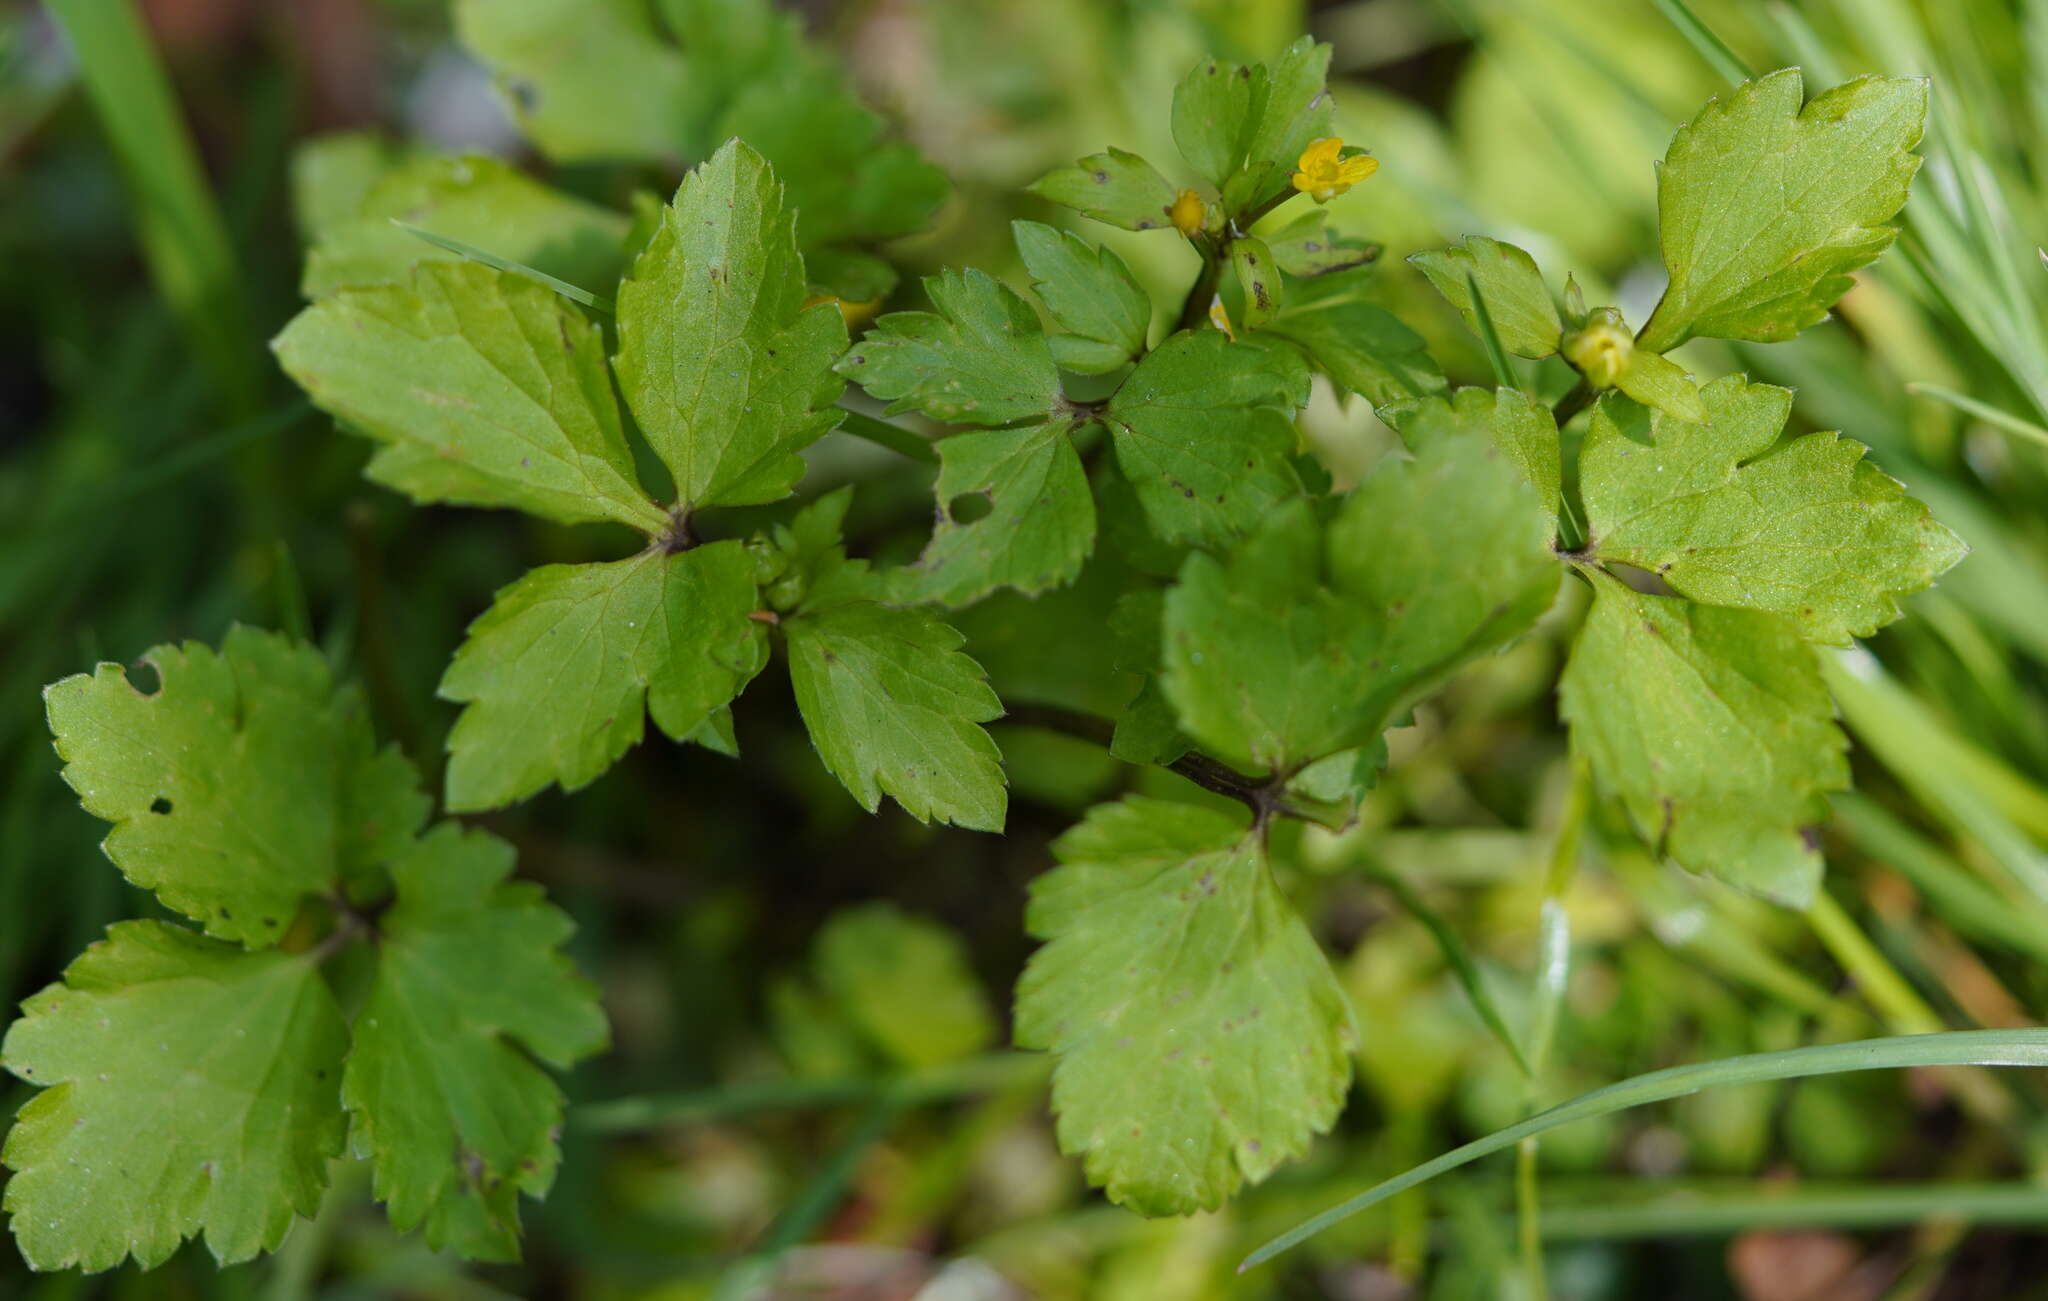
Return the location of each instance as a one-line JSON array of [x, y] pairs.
[[1322, 173], [1599, 349], [1220, 318], [1187, 213]]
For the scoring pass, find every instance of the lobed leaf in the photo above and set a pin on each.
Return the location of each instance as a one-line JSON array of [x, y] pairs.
[[1765, 206], [1520, 427], [727, 372], [1360, 345], [981, 359], [188, 1086], [557, 677], [242, 784], [1204, 430], [1037, 524], [895, 708], [1713, 727], [906, 983], [442, 1088], [1809, 530], [1202, 1039], [1090, 293], [481, 387]]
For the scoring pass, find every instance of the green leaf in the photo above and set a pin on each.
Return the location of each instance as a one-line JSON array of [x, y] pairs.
[[1308, 248], [1454, 548], [1724, 514], [1766, 207], [483, 388], [1715, 730], [1117, 187], [1204, 430], [980, 360], [1360, 345], [557, 676], [585, 81], [1520, 306], [479, 201], [188, 1085], [1271, 665], [1290, 110], [906, 982], [442, 1089], [1091, 293], [726, 371], [895, 708], [243, 783], [1202, 1038], [1258, 275], [1212, 108], [1035, 524], [1519, 426]]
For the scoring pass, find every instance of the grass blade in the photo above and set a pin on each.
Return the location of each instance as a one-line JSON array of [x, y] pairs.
[[183, 238], [1984, 411], [1483, 321], [894, 437], [474, 254], [1460, 959], [1711, 47], [1960, 1048]]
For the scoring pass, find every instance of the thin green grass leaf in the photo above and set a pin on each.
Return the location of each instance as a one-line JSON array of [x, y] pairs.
[[1482, 320], [1984, 411], [1702, 38], [474, 254], [989, 1073], [2027, 1047], [184, 239], [1462, 966], [1952, 890]]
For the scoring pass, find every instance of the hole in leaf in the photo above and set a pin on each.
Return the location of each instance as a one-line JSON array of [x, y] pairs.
[[159, 805], [969, 507]]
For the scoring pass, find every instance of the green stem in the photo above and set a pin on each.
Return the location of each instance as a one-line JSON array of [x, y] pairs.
[[1195, 309], [894, 437]]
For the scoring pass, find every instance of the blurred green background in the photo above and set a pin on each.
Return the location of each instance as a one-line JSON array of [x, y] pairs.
[[160, 480]]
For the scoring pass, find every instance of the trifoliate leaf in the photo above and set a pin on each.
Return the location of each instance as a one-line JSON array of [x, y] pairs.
[[478, 201], [896, 709], [1032, 520], [980, 360], [1308, 248], [1519, 426], [1091, 293], [445, 1097], [1723, 514], [906, 983], [1292, 648], [1117, 187], [727, 373], [558, 675], [1202, 1038], [1518, 304], [1360, 345], [1203, 429], [1714, 728], [482, 387], [243, 783], [1766, 207], [586, 81], [1258, 277], [189, 1085]]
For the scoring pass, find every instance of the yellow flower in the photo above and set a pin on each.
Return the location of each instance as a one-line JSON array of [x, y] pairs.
[[1323, 175], [1187, 213]]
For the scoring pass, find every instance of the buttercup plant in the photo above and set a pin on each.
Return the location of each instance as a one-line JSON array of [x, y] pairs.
[[1276, 627]]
